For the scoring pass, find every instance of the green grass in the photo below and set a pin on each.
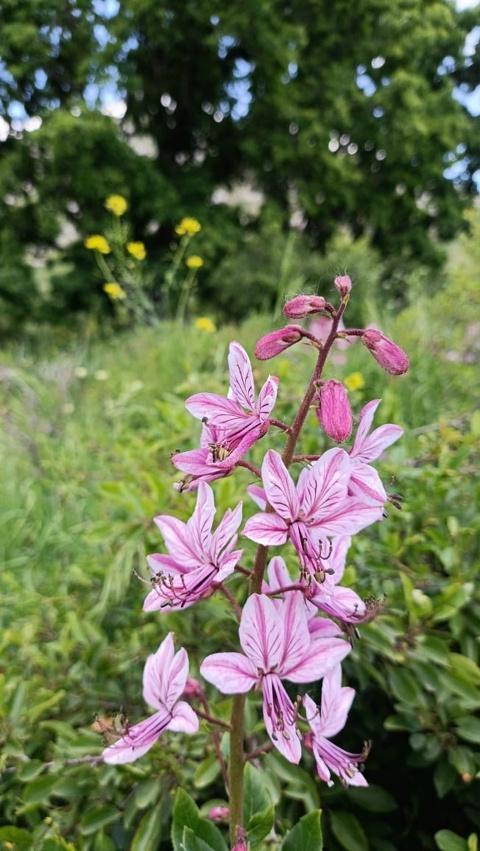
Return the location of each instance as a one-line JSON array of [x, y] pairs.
[[86, 466]]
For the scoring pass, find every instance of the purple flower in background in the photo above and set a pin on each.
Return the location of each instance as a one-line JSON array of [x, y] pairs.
[[365, 483], [318, 507], [327, 722], [164, 679], [198, 560], [276, 645]]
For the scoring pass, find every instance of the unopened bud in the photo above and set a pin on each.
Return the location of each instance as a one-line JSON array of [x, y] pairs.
[[277, 341], [192, 688], [241, 843], [219, 813], [343, 284], [390, 356], [303, 305], [334, 413]]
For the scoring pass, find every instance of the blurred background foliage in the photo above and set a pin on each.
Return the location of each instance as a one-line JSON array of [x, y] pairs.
[[309, 139], [284, 113]]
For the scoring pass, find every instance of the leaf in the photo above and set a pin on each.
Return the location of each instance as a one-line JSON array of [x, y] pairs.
[[186, 814], [260, 824], [444, 778], [405, 687], [149, 831], [147, 793], [349, 832], [97, 817], [449, 841], [372, 798], [206, 771], [306, 835], [18, 838], [256, 796], [191, 842], [468, 728]]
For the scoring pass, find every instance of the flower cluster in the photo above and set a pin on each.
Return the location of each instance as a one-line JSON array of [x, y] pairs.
[[293, 627]]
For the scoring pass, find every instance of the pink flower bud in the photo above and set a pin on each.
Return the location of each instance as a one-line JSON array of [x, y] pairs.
[[240, 845], [334, 412], [192, 688], [277, 341], [390, 356], [219, 813], [302, 305], [343, 284]]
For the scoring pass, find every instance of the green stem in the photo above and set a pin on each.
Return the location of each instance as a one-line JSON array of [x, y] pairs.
[[236, 763]]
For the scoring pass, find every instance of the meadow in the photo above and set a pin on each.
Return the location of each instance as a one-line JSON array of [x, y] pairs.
[[87, 433]]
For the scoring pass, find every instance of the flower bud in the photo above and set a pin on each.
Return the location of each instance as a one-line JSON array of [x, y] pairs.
[[334, 413], [390, 356], [302, 305], [343, 284], [219, 813], [192, 688], [277, 341]]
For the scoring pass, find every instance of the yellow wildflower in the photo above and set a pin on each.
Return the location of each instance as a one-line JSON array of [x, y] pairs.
[[194, 262], [116, 204], [188, 226], [96, 242], [137, 250], [354, 381], [204, 323], [114, 291]]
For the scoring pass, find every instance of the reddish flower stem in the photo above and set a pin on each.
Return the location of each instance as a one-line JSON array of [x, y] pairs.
[[296, 587], [297, 458], [237, 720], [280, 424], [248, 466], [231, 599], [266, 748]]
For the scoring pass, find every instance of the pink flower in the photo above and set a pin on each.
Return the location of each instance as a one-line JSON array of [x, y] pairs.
[[336, 703], [365, 483], [216, 457], [276, 645], [231, 425], [240, 413], [275, 342], [198, 559], [343, 284], [302, 305], [334, 413], [317, 508], [390, 356], [164, 680], [327, 595]]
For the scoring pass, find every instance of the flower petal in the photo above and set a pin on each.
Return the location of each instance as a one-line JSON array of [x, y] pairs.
[[225, 534], [278, 575], [267, 397], [336, 703], [260, 632], [268, 529], [241, 376], [365, 484], [366, 418], [280, 490], [279, 717], [184, 719], [258, 495], [155, 670], [178, 540], [231, 673], [216, 410], [295, 635], [323, 485], [199, 527], [323, 654], [379, 440], [138, 740], [348, 518]]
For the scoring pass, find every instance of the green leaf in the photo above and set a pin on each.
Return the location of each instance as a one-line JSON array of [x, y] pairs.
[[149, 832], [20, 839], [349, 832], [404, 686], [372, 798], [39, 790], [260, 824], [306, 835], [192, 842], [256, 796], [444, 778], [468, 728], [147, 793], [186, 814], [206, 771], [449, 841], [97, 817]]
